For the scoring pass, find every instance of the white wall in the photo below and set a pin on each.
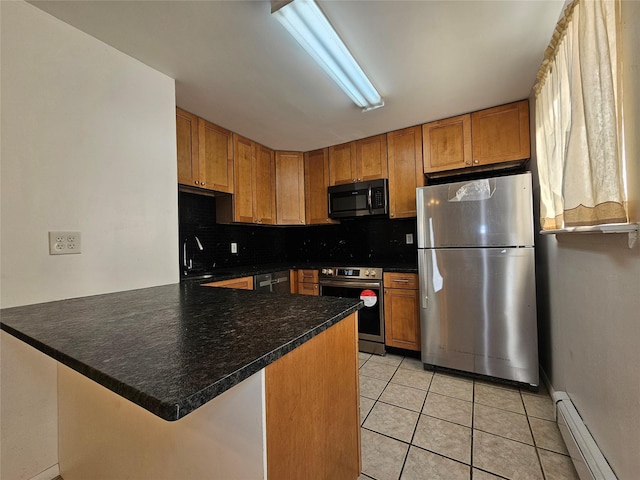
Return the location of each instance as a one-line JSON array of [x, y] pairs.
[[88, 144], [589, 295]]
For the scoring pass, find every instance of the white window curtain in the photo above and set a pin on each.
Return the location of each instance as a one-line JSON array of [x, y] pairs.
[[579, 120]]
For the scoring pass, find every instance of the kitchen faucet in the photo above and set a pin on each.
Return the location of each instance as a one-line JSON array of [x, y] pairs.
[[187, 263]]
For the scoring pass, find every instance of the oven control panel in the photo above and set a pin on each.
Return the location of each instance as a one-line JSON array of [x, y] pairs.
[[371, 273]]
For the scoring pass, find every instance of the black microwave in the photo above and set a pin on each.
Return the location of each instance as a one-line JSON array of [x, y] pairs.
[[359, 199]]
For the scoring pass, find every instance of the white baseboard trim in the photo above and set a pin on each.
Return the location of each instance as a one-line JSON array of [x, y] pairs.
[[49, 474]]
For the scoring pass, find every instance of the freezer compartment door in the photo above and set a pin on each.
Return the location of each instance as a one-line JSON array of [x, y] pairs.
[[487, 212], [478, 311]]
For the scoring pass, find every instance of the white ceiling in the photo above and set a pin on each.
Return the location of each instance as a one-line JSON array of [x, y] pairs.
[[236, 66]]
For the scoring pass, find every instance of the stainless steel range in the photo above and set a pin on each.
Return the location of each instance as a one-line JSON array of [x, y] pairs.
[[363, 283]]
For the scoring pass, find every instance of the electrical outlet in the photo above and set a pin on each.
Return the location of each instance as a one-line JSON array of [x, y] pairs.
[[409, 238], [234, 247], [64, 243]]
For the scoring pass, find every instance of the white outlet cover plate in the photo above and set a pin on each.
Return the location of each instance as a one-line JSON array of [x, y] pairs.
[[64, 243], [409, 238]]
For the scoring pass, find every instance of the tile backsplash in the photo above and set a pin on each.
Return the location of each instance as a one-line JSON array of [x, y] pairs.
[[361, 241]]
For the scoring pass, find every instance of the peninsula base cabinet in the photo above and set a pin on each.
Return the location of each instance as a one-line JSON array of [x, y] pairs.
[[297, 418]]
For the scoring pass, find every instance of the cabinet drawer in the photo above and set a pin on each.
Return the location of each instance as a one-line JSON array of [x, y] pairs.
[[307, 276], [408, 281], [244, 283]]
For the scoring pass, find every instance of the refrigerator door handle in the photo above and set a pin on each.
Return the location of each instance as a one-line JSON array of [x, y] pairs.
[[422, 277]]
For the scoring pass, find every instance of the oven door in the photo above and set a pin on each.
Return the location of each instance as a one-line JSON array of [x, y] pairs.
[[371, 317]]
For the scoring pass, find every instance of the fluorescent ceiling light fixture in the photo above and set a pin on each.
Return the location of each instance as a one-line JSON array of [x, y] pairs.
[[308, 25]]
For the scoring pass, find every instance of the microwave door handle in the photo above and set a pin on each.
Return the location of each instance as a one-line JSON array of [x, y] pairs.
[[369, 201]]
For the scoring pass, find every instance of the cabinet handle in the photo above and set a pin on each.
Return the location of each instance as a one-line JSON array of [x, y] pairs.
[[401, 280], [468, 162], [392, 215], [202, 183], [197, 182], [475, 161]]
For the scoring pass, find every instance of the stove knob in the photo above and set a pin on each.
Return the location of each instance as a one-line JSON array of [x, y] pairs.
[[366, 273], [324, 271], [373, 273], [329, 271]]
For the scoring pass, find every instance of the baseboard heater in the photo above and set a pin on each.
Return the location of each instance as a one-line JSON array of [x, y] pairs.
[[585, 453]]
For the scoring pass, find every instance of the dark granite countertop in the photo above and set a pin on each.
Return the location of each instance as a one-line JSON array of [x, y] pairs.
[[250, 270], [172, 348]]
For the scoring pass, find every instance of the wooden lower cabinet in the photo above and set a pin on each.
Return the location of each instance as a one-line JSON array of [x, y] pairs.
[[401, 311], [312, 408], [244, 283], [308, 282]]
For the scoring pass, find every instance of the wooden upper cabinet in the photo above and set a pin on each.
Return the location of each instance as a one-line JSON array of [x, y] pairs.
[[290, 208], [405, 170], [501, 134], [316, 181], [487, 137], [342, 163], [187, 143], [216, 157], [358, 161], [264, 185], [205, 153], [243, 150], [447, 144], [254, 198], [371, 158]]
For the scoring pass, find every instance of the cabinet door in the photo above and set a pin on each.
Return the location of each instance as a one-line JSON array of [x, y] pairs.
[[216, 157], [187, 143], [405, 171], [309, 289], [371, 158], [402, 318], [316, 181], [501, 134], [342, 163], [289, 188], [243, 150], [264, 185], [447, 144]]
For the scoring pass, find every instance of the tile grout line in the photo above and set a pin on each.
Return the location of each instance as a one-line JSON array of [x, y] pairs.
[[533, 438], [473, 418]]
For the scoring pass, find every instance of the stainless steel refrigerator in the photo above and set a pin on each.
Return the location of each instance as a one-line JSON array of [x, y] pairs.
[[477, 277]]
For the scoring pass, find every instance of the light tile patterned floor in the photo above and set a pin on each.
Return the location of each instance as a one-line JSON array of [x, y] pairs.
[[417, 425]]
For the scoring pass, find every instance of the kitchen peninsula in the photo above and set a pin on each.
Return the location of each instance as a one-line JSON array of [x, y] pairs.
[[242, 382]]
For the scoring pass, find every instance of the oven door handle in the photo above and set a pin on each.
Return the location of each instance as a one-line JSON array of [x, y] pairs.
[[358, 284]]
